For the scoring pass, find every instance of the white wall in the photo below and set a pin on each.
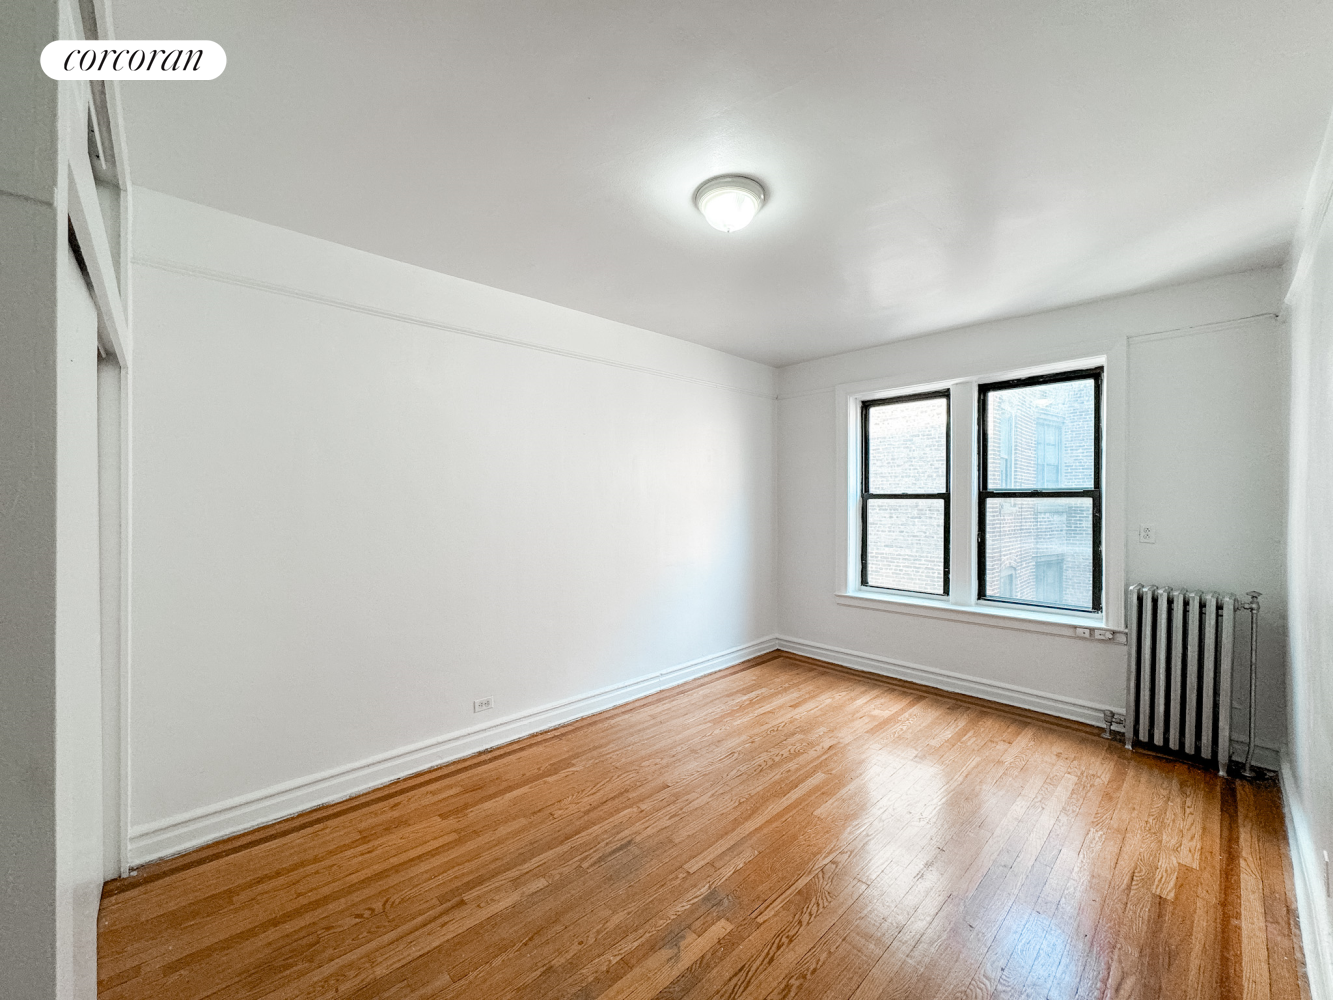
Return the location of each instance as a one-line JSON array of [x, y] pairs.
[[1308, 777], [78, 649], [1208, 470], [1200, 452], [367, 494]]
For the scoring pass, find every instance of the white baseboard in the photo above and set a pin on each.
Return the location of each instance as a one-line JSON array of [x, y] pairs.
[[946, 680], [978, 687], [1311, 901], [175, 834]]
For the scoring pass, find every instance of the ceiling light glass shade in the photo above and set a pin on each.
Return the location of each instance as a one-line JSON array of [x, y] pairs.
[[729, 202]]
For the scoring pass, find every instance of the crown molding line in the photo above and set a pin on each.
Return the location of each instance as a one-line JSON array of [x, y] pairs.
[[291, 291], [1132, 338], [1202, 328]]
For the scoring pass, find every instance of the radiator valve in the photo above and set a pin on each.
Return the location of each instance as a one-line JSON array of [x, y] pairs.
[[1110, 719]]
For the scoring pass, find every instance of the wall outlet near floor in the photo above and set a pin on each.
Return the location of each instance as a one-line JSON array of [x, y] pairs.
[[1148, 534], [483, 704]]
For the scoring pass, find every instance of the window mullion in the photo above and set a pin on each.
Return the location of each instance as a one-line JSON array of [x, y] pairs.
[[962, 493]]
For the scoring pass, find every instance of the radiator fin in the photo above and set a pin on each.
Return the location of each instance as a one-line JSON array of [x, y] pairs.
[[1178, 676]]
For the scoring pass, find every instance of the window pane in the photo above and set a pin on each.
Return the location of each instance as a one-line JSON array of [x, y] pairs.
[[1040, 550], [908, 443], [905, 545], [1040, 437]]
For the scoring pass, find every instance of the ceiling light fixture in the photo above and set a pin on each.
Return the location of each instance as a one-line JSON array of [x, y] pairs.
[[729, 202]]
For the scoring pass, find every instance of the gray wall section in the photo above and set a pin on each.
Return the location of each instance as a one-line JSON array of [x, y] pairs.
[[28, 248], [50, 770], [29, 241]]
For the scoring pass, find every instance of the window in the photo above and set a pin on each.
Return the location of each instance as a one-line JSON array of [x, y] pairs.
[[1024, 480], [1050, 580], [905, 504], [1039, 506], [1049, 448], [1005, 473]]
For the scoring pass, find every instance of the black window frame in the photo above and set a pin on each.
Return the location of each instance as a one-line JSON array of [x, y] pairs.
[[866, 496], [985, 492]]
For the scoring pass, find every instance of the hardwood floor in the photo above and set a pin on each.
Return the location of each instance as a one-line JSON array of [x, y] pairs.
[[776, 830]]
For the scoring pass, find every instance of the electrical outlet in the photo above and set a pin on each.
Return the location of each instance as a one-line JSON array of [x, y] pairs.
[[1083, 633], [1103, 633], [1148, 534], [483, 704]]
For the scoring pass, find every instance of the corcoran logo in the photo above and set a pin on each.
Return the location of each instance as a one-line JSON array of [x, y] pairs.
[[74, 59]]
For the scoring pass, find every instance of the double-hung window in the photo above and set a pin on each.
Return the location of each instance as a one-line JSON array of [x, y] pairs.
[[1039, 506], [905, 493], [1029, 496]]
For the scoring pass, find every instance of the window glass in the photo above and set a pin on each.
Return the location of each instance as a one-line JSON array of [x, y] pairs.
[[908, 451], [1041, 436], [1049, 455], [1005, 474], [904, 549], [1040, 550]]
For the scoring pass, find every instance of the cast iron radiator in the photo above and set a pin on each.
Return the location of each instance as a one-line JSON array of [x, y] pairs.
[[1181, 647]]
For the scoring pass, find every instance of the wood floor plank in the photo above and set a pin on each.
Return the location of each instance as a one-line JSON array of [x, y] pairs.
[[784, 829]]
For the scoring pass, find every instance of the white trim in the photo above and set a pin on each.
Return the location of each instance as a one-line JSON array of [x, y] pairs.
[[1166, 333], [184, 831], [982, 614], [126, 592], [164, 837], [1060, 706], [1311, 901], [85, 212], [126, 512], [946, 680], [291, 291], [1202, 328]]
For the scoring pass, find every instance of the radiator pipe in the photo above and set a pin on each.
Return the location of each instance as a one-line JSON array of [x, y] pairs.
[[1252, 606]]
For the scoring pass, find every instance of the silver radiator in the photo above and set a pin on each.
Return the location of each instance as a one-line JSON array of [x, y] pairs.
[[1180, 653]]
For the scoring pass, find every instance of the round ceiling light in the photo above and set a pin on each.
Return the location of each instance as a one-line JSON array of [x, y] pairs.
[[729, 202]]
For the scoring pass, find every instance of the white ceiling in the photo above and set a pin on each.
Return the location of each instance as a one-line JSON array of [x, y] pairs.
[[930, 163]]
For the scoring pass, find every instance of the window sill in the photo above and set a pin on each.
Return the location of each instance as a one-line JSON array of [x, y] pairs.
[[1024, 620]]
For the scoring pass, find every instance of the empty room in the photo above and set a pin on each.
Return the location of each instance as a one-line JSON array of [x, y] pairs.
[[610, 501]]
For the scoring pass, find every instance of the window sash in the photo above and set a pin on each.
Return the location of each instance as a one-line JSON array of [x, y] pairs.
[[988, 492], [946, 496]]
